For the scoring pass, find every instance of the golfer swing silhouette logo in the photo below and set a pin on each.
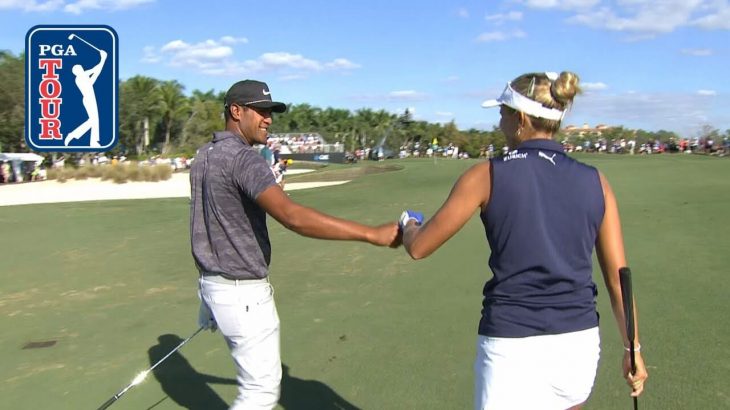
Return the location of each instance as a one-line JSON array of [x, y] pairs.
[[85, 81], [71, 87]]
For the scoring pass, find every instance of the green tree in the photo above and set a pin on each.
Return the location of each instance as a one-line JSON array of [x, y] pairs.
[[336, 125], [140, 104], [206, 117], [708, 131], [450, 134], [174, 106], [666, 136], [12, 101], [298, 118], [378, 126]]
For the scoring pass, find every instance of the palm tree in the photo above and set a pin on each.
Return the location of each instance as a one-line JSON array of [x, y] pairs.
[[174, 106], [141, 101], [205, 116], [335, 122]]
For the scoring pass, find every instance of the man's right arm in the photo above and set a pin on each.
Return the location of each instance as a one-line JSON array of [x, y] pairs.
[[314, 224], [96, 71]]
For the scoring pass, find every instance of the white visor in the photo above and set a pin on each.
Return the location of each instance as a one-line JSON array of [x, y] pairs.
[[519, 102]]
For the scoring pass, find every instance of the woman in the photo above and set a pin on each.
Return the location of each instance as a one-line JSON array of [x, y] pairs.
[[543, 213]]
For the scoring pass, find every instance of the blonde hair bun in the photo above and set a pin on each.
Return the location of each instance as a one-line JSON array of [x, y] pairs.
[[565, 88]]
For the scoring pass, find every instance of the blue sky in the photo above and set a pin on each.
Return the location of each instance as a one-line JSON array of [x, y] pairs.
[[651, 64]]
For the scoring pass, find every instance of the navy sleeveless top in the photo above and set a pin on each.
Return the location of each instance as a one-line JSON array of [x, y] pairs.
[[541, 221]]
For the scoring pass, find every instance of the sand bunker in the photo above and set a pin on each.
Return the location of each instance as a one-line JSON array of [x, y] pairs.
[[94, 189]]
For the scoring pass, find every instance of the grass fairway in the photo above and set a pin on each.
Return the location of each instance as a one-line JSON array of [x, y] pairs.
[[113, 284]]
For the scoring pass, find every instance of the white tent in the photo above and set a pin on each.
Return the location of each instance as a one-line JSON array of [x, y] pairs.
[[16, 160], [20, 156]]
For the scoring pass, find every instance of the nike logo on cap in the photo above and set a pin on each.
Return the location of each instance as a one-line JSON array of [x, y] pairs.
[[266, 92]]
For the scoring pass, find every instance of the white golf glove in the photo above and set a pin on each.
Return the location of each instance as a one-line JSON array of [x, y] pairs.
[[205, 318], [408, 215]]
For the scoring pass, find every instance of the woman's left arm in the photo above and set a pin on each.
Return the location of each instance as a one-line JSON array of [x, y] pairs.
[[471, 191]]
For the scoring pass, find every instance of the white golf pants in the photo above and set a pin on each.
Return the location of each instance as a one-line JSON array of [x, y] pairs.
[[246, 316]]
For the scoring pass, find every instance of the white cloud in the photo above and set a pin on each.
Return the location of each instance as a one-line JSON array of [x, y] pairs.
[[647, 16], [650, 17], [499, 36], [502, 17], [30, 5], [491, 36], [718, 19], [80, 6], [216, 57], [233, 40], [593, 86], [452, 79], [283, 59], [697, 52], [407, 95], [563, 4], [46, 6], [681, 112], [181, 54], [462, 12], [150, 55], [292, 77], [73, 7], [341, 63], [706, 92], [400, 96], [444, 114], [126, 4]]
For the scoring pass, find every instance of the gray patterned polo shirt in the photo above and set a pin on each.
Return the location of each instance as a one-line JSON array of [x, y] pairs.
[[227, 227]]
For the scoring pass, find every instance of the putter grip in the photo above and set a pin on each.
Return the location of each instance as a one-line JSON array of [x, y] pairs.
[[108, 403], [628, 301]]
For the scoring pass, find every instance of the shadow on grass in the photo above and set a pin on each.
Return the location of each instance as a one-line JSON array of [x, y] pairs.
[[180, 381], [189, 389], [300, 394]]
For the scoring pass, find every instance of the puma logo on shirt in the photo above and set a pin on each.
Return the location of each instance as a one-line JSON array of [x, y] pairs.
[[544, 155]]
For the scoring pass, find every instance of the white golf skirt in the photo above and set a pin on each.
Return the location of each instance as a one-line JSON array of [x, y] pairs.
[[536, 372]]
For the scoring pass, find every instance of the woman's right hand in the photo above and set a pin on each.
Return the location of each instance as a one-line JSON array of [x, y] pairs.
[[635, 381]]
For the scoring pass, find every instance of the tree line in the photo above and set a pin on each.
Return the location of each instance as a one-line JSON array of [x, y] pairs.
[[157, 118]]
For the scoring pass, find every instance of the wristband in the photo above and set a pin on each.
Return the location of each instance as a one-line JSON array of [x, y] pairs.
[[637, 348]]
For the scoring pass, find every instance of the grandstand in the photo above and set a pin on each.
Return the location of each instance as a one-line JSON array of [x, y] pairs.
[[306, 146]]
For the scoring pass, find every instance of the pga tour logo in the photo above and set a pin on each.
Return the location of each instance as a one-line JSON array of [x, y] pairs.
[[71, 78]]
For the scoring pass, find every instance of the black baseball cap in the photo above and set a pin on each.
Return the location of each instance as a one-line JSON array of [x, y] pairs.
[[252, 93]]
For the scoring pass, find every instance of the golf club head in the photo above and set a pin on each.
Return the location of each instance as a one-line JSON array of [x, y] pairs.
[[71, 36]]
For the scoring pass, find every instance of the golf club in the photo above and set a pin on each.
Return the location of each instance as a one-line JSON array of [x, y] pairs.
[[628, 299], [141, 376], [72, 36]]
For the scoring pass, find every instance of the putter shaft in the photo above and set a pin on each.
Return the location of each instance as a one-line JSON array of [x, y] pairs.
[[137, 380]]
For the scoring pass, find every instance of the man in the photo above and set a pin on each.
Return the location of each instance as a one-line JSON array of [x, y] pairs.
[[5, 172], [232, 190], [268, 155], [85, 80], [279, 169]]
